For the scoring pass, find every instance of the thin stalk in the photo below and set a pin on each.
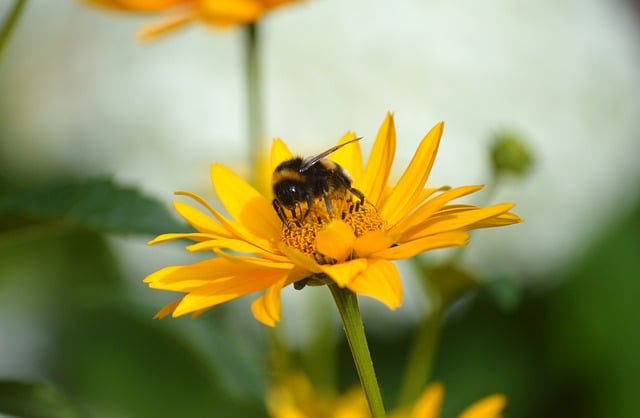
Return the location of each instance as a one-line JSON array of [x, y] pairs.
[[254, 101], [423, 349], [6, 30], [347, 303], [490, 190], [421, 358]]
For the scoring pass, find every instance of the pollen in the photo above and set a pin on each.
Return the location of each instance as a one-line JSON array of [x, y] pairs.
[[300, 233]]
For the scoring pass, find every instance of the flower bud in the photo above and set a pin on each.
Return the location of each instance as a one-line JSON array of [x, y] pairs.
[[510, 154]]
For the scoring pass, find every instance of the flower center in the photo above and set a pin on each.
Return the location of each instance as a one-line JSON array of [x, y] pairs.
[[300, 233]]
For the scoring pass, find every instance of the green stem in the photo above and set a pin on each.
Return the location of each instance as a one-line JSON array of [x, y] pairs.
[[254, 100], [423, 349], [10, 23], [421, 358], [347, 303], [491, 188]]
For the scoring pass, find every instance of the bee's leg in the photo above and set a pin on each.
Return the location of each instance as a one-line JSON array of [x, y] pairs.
[[294, 214], [358, 194], [309, 205], [327, 202], [298, 213], [279, 210], [355, 206]]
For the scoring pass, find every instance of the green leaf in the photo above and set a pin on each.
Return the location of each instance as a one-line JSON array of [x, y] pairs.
[[451, 281], [123, 364], [99, 204], [35, 400], [505, 292]]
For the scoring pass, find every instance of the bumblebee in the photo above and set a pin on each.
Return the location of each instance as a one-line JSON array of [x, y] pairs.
[[301, 181]]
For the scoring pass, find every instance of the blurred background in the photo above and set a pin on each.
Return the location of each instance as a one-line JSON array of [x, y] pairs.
[[556, 327]]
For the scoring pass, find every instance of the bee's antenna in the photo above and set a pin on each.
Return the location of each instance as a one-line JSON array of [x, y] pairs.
[[311, 161]]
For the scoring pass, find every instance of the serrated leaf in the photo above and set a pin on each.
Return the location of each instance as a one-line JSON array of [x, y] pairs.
[[35, 400], [99, 204]]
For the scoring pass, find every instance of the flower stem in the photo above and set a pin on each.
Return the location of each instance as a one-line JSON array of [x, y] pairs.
[[254, 100], [10, 23], [347, 303], [423, 349], [421, 358]]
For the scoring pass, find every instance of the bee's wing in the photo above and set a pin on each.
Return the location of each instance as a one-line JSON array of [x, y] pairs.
[[312, 160]]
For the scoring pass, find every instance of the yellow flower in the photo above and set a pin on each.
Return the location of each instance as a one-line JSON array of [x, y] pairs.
[[220, 13], [295, 398], [430, 403], [352, 244]]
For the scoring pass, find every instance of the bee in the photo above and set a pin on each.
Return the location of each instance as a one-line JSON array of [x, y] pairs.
[[303, 180]]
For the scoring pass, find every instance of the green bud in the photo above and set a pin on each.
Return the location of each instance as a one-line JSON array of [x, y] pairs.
[[510, 154]]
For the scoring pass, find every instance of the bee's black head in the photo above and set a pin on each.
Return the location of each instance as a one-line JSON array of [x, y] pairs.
[[288, 184]]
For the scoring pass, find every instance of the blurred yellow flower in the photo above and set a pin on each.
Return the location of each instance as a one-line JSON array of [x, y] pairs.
[[342, 239], [296, 398], [429, 405], [220, 13]]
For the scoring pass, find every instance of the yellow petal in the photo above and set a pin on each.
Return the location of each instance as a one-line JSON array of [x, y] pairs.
[[378, 166], [372, 242], [349, 157], [420, 198], [300, 259], [232, 230], [429, 403], [199, 220], [461, 220], [229, 244], [344, 273], [182, 278], [432, 242], [227, 12], [210, 270], [237, 11], [266, 260], [167, 24], [432, 206], [193, 236], [244, 203], [160, 274], [489, 407], [223, 290], [411, 184], [380, 280], [427, 192], [336, 240], [167, 309], [502, 220], [199, 312], [266, 308], [137, 5], [279, 153]]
